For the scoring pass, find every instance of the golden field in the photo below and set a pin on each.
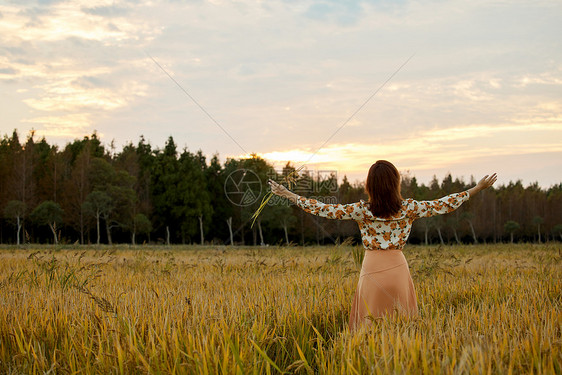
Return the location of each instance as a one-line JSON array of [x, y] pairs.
[[205, 310]]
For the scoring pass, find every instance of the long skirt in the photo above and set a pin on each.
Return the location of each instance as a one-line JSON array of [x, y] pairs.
[[385, 286]]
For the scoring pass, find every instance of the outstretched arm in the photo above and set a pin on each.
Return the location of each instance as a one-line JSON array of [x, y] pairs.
[[484, 183], [450, 202], [282, 191], [312, 206]]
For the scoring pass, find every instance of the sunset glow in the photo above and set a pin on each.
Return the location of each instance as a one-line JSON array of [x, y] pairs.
[[482, 91]]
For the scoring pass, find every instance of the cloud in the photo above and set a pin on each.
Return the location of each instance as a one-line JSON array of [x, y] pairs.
[[67, 95], [63, 126], [65, 61], [61, 21], [348, 13], [7, 72], [545, 78], [106, 11], [281, 76], [343, 12], [431, 149]]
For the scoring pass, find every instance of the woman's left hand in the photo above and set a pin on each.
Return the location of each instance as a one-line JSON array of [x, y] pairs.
[[487, 181]]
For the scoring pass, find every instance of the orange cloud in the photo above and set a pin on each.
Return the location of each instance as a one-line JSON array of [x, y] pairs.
[[428, 150]]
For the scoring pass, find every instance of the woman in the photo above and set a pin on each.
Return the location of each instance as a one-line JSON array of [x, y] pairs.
[[385, 221]]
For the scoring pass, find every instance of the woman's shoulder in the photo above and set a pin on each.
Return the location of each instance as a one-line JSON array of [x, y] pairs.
[[407, 202], [362, 205], [408, 205], [401, 214]]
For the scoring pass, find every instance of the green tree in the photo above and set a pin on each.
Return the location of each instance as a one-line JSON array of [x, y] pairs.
[[469, 217], [118, 185], [235, 219], [280, 215], [222, 208], [165, 178], [15, 211], [145, 159], [98, 204], [48, 213], [21, 181], [438, 222], [452, 221], [124, 201], [537, 220], [48, 171], [101, 174], [263, 171], [180, 197], [78, 155], [511, 226], [5, 171], [141, 225], [194, 210], [557, 229]]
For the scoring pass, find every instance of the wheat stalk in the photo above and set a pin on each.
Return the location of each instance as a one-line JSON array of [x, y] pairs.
[[291, 180], [498, 313]]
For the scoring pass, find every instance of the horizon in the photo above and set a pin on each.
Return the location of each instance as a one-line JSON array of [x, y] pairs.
[[353, 179]]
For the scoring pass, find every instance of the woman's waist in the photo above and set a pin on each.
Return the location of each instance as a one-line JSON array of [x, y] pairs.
[[382, 260], [387, 253]]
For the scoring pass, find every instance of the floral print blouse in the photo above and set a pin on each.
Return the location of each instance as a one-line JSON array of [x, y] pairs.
[[384, 233]]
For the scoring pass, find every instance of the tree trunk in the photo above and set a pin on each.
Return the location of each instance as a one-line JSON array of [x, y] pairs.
[[511, 237], [426, 233], [440, 236], [302, 227], [229, 223], [19, 229], [262, 243], [242, 229], [167, 235], [473, 232], [108, 230], [456, 236], [82, 228], [98, 228], [201, 230], [286, 233], [539, 230], [54, 230], [133, 238]]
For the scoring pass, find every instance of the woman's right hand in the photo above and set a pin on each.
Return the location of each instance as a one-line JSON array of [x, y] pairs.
[[282, 191], [278, 189]]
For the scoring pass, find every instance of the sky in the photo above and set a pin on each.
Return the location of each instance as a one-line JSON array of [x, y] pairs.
[[481, 92]]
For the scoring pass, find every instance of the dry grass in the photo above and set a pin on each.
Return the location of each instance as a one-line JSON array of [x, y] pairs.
[[484, 309]]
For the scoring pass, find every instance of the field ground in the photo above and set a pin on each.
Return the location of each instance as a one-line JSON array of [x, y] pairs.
[[483, 309]]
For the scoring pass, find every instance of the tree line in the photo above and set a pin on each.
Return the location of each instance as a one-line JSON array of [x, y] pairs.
[[86, 193]]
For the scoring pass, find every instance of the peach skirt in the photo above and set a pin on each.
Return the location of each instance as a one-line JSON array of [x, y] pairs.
[[385, 286]]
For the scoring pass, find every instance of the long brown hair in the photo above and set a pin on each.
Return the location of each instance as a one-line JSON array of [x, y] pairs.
[[383, 188]]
